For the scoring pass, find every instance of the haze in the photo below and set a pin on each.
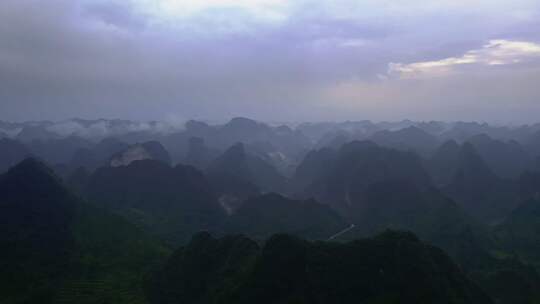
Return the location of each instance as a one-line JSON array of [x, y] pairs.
[[270, 60]]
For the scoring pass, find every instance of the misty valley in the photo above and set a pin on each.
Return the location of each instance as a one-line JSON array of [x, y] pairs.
[[119, 211]]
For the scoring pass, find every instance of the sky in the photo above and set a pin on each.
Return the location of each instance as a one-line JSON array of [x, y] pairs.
[[272, 60]]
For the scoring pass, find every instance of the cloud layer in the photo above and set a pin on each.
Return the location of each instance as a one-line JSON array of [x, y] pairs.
[[494, 53], [270, 59]]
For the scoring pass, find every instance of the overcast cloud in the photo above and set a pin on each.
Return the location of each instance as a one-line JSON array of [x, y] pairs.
[[270, 59]]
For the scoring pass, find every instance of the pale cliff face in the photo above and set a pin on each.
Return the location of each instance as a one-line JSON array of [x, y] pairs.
[[132, 154]]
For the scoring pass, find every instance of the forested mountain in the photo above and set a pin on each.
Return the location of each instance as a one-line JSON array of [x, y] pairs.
[[148, 150], [478, 190], [506, 159], [170, 202], [390, 268], [407, 139], [130, 196], [262, 216], [356, 167], [269, 152], [58, 249], [240, 174]]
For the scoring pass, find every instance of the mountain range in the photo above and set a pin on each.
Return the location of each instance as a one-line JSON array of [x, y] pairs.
[[405, 212]]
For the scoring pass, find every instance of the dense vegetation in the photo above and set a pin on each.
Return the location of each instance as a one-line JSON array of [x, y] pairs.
[[58, 249], [391, 268]]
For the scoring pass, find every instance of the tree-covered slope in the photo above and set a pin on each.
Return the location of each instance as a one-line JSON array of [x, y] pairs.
[[170, 202], [265, 215], [57, 249], [393, 267]]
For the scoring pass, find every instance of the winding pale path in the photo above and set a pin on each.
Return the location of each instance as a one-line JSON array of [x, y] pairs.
[[341, 232]]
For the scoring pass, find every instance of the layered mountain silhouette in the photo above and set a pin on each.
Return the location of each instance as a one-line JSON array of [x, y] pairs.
[[444, 162], [532, 143], [282, 140], [32, 132], [315, 164], [132, 191], [58, 150], [98, 155], [357, 166], [377, 188], [506, 159], [238, 174], [199, 154], [148, 150], [408, 139]]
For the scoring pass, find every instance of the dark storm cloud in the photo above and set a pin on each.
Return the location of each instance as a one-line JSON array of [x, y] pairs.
[[319, 61]]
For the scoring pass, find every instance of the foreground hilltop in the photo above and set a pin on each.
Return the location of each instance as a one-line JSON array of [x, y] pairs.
[[394, 267], [58, 249]]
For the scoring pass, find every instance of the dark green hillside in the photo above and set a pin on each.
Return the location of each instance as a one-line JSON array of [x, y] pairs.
[[262, 216], [478, 190], [170, 202], [56, 249], [36, 215], [240, 174], [357, 166], [393, 267], [377, 188], [207, 270], [520, 232]]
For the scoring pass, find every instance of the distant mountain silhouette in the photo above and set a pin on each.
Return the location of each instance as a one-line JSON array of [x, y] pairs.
[[199, 154], [268, 140], [532, 143], [379, 188], [444, 163], [239, 174], [240, 128], [11, 153], [334, 139], [315, 164], [31, 133], [148, 150], [407, 139], [478, 190], [58, 150], [359, 165], [506, 159], [98, 155]]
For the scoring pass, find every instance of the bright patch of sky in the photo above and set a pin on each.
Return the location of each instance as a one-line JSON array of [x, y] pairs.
[[494, 53]]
